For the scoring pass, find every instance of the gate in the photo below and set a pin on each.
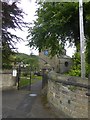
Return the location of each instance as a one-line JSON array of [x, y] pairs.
[[27, 76], [23, 77]]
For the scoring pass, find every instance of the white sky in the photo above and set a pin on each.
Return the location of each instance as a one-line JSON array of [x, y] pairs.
[[29, 7]]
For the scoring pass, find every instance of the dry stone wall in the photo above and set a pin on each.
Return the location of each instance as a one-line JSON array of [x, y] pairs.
[[68, 94]]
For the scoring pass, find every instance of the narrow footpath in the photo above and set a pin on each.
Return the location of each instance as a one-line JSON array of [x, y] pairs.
[[25, 104]]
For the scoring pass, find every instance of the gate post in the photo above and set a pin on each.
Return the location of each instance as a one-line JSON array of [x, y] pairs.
[[18, 76], [30, 78], [14, 75], [44, 77]]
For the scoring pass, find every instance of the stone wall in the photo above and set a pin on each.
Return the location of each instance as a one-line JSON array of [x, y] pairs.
[[68, 94], [7, 80]]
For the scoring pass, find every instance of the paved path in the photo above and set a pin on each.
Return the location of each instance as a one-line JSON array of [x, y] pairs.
[[19, 104]]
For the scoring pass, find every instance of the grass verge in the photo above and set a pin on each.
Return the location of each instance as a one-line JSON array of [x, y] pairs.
[[26, 80]]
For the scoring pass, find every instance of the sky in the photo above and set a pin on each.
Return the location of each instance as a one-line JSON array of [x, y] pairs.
[[29, 7]]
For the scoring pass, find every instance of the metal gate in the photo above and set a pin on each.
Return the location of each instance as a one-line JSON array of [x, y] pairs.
[[23, 79]]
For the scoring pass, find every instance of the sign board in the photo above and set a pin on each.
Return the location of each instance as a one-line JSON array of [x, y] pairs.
[[14, 73], [46, 52]]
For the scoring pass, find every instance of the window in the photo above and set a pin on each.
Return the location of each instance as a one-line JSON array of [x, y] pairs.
[[66, 64]]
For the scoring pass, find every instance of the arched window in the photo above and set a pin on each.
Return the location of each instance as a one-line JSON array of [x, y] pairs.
[[66, 64]]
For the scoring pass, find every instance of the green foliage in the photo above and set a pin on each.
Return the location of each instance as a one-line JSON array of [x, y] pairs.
[[56, 24], [50, 28], [31, 60], [87, 70], [74, 72], [76, 68], [88, 57], [7, 66], [8, 63]]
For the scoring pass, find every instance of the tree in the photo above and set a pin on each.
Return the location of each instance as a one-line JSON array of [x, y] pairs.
[[58, 23], [12, 18], [54, 25], [31, 60]]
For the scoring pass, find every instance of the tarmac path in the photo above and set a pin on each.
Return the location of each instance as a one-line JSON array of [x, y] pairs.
[[19, 103]]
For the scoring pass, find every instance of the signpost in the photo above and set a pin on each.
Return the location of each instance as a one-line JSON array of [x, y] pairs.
[[46, 52], [14, 73]]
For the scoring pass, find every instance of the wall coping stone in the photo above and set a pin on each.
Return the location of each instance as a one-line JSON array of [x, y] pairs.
[[69, 80], [6, 72], [52, 75], [73, 83]]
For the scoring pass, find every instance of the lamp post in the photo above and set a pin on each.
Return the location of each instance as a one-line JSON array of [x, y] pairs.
[[82, 40]]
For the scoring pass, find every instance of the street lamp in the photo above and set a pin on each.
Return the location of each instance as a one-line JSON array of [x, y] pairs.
[[82, 40]]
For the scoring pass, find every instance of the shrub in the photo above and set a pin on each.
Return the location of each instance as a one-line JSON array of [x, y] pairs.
[[76, 68]]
